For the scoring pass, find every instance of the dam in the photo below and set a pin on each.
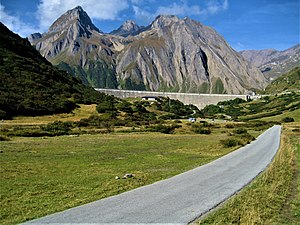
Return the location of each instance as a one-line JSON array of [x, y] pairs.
[[199, 100]]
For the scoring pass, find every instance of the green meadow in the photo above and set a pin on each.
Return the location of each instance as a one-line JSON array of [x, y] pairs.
[[43, 175]]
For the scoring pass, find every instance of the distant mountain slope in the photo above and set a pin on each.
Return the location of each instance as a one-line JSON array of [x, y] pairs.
[[129, 27], [171, 54], [274, 63], [287, 82], [30, 85]]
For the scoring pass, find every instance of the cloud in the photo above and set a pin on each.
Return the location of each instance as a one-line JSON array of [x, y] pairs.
[[142, 15], [179, 9], [50, 10], [214, 7], [182, 8], [15, 24]]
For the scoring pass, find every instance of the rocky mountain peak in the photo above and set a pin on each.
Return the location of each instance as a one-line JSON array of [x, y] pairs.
[[129, 27], [34, 36], [164, 20], [77, 16]]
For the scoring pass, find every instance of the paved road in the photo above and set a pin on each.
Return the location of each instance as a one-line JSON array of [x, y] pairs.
[[183, 198]]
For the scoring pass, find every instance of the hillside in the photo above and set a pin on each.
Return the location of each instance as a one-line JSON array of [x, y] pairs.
[[287, 82], [268, 108], [30, 85], [273, 63], [171, 54]]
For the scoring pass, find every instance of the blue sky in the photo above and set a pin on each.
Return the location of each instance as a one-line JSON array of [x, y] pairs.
[[245, 24]]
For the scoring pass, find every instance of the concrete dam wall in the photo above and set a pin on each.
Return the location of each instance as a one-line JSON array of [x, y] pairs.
[[199, 100]]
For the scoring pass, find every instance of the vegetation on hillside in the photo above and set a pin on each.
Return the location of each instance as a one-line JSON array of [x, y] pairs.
[[241, 110], [286, 83], [30, 85]]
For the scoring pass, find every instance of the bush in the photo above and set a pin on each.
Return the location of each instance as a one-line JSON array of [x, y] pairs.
[[229, 126], [169, 116], [230, 142], [4, 138], [125, 107], [57, 128], [246, 138], [165, 129], [106, 105], [240, 131], [288, 119], [200, 130]]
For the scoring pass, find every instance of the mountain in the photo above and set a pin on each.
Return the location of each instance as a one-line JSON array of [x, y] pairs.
[[129, 27], [285, 83], [273, 63], [73, 43], [30, 85], [185, 56], [171, 54]]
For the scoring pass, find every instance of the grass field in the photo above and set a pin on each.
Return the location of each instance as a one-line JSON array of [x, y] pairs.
[[40, 176], [274, 197], [43, 175]]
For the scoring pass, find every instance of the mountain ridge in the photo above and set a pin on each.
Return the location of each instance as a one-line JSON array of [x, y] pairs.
[[171, 54], [274, 63]]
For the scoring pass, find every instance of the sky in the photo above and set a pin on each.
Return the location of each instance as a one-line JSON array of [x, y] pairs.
[[245, 24]]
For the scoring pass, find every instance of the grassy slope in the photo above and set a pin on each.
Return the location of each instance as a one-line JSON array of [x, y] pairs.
[[30, 85], [287, 82], [274, 197]]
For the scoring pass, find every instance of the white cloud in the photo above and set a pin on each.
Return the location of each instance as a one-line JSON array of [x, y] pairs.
[[182, 9], [215, 6], [50, 10], [15, 24], [179, 9], [143, 15]]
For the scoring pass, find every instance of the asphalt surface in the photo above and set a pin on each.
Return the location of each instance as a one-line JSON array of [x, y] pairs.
[[180, 199]]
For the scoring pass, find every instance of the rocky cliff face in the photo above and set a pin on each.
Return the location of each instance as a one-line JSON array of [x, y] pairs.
[[171, 54], [273, 63]]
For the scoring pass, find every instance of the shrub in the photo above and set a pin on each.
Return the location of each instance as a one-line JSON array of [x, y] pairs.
[[288, 119], [4, 138], [168, 116], [29, 133], [166, 129], [125, 107], [229, 126], [246, 138], [240, 131], [200, 130], [230, 142], [107, 105], [57, 128]]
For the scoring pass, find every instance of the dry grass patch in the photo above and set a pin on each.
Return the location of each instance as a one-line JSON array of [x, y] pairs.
[[83, 112]]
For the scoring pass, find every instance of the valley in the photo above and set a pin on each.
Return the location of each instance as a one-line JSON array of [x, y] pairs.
[[80, 109]]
